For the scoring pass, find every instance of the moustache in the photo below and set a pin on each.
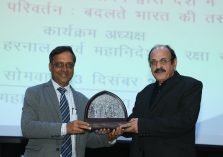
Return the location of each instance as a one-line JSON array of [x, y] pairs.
[[160, 70]]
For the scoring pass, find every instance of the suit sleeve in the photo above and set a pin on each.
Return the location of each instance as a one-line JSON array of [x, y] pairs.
[[178, 123], [31, 125]]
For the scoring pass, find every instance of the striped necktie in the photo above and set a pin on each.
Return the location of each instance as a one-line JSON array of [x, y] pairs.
[[66, 150]]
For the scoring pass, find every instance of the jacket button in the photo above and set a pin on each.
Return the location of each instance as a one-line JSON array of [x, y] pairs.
[[57, 149]]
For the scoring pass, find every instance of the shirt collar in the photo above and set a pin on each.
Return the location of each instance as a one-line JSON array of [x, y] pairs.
[[56, 86], [165, 82]]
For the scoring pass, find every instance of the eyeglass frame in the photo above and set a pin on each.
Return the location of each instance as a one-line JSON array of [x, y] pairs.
[[162, 61], [60, 65]]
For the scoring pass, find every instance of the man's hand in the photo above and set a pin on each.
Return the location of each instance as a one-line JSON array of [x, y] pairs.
[[131, 126], [115, 133], [111, 134], [77, 127]]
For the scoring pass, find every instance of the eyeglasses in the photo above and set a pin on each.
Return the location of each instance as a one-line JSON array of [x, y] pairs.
[[61, 65], [162, 61]]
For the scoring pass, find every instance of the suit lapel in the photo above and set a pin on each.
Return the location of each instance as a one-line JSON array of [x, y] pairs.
[[168, 86], [156, 101], [53, 101], [147, 106]]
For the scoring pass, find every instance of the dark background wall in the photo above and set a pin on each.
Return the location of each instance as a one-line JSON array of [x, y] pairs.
[[14, 147]]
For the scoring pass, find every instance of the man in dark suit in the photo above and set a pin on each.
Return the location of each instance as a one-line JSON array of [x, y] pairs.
[[42, 121], [163, 120]]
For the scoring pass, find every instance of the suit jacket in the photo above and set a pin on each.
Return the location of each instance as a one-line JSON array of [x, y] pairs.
[[41, 123], [167, 127]]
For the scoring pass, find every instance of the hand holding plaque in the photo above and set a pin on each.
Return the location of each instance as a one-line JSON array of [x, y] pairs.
[[105, 110]]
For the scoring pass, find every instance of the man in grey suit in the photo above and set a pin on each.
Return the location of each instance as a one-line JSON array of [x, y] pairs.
[[41, 120]]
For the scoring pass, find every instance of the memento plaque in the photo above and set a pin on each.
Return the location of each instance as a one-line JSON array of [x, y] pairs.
[[105, 110]]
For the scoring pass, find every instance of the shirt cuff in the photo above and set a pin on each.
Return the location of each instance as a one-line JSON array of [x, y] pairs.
[[64, 129], [112, 142]]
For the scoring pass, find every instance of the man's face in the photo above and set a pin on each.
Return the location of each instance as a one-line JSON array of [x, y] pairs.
[[62, 68], [162, 66]]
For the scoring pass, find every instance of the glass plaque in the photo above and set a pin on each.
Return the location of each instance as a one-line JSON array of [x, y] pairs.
[[105, 110]]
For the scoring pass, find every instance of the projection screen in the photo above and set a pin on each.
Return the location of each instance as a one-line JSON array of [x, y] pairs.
[[111, 39]]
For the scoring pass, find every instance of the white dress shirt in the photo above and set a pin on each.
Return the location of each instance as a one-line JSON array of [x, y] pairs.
[[73, 114]]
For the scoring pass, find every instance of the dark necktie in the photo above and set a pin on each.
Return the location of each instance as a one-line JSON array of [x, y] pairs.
[[66, 150]]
